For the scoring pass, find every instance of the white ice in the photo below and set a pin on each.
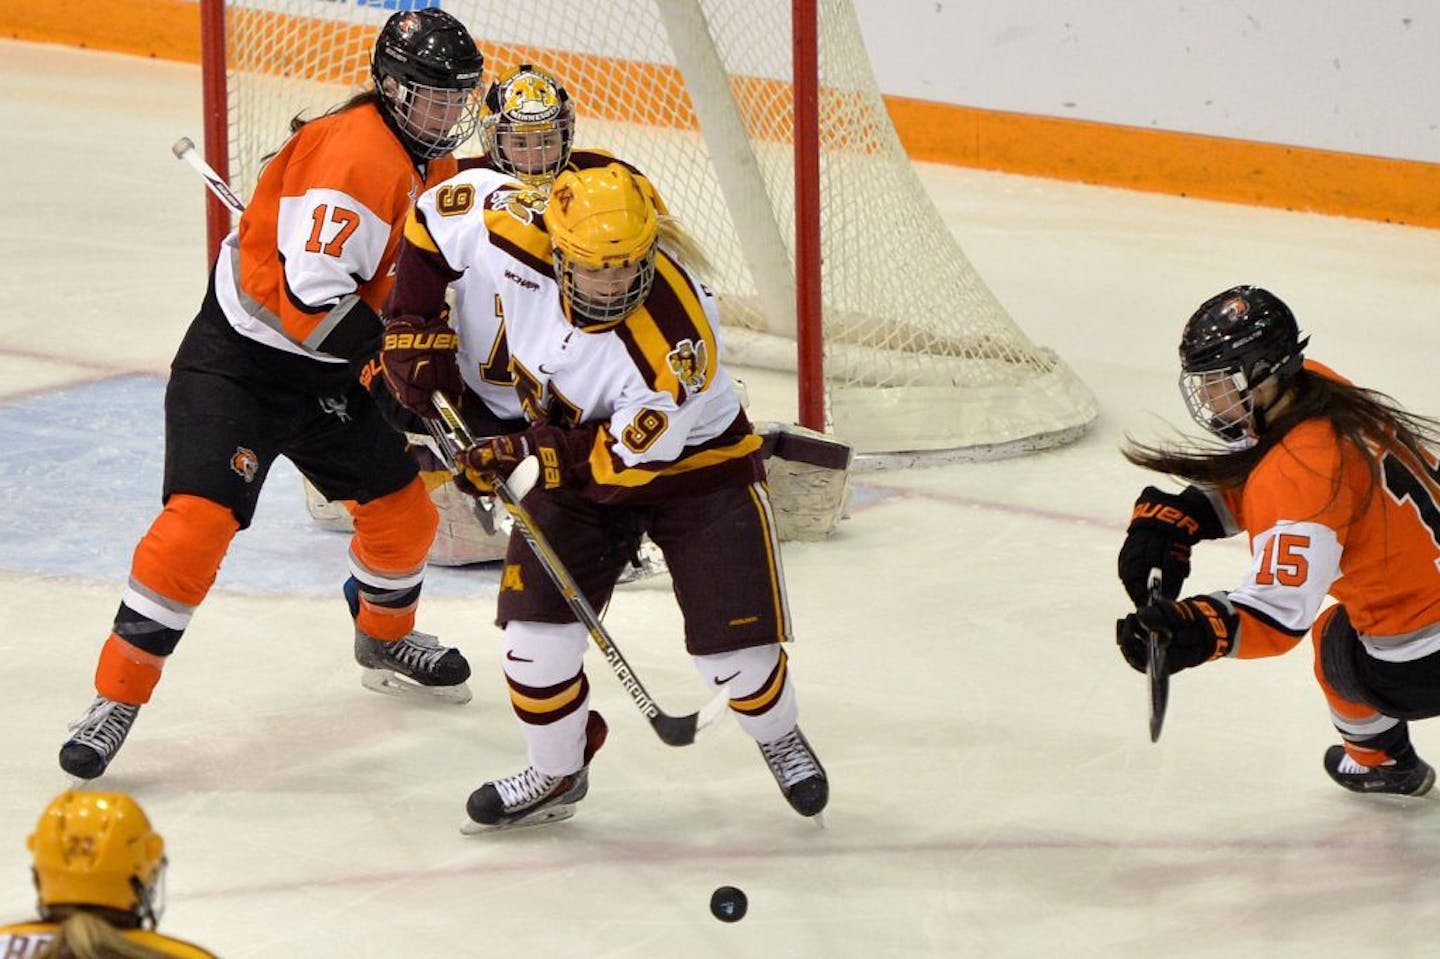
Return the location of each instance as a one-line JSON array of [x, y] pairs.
[[994, 789]]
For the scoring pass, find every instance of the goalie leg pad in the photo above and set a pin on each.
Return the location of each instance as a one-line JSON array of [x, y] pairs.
[[462, 538], [328, 514], [808, 474]]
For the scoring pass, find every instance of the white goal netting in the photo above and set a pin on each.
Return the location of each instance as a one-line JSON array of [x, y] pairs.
[[919, 355]]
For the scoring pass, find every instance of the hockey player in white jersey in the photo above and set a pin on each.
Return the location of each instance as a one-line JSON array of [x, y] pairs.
[[614, 348], [527, 131]]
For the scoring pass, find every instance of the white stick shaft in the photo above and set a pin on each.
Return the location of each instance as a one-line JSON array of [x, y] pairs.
[[184, 149]]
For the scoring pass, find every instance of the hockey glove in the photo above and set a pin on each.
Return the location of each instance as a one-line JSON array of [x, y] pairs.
[[417, 357], [1197, 629], [399, 418], [1163, 527], [499, 455]]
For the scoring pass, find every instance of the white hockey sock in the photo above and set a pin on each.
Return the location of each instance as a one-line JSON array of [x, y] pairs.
[[543, 656], [750, 673]]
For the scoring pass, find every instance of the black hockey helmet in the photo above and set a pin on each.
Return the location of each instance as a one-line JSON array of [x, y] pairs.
[[1235, 342], [427, 69]]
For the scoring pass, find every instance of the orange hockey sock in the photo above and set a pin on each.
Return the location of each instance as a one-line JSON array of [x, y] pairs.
[[126, 673], [387, 555]]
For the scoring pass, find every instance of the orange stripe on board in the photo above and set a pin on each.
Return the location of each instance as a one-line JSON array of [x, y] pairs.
[[1159, 161], [1155, 161], [167, 29]]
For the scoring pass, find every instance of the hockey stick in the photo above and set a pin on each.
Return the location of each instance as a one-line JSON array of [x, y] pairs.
[[1158, 643], [184, 149], [443, 445], [672, 730]]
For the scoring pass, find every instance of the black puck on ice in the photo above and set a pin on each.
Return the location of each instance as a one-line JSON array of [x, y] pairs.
[[728, 904]]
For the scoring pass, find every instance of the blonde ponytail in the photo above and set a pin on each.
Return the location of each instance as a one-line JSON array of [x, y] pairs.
[[86, 936]]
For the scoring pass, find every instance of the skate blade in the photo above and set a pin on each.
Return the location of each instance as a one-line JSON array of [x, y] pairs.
[[545, 816], [392, 684]]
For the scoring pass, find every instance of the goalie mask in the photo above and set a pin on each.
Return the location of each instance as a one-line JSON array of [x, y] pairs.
[[604, 232], [528, 125], [97, 849], [427, 69], [1234, 344]]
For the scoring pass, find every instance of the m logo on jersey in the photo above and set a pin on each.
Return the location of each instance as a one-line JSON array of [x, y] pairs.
[[689, 361], [246, 463]]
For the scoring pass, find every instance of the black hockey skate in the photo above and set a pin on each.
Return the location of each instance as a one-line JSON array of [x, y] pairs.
[[415, 665], [96, 737], [530, 798], [798, 772], [1408, 775]]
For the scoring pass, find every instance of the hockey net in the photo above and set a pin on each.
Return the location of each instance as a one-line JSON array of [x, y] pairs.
[[918, 354]]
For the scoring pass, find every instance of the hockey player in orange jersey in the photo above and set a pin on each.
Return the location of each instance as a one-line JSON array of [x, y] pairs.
[[617, 361], [99, 873], [272, 366], [1337, 488]]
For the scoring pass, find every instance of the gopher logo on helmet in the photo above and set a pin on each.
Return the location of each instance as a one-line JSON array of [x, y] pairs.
[[689, 362], [530, 98], [246, 463]]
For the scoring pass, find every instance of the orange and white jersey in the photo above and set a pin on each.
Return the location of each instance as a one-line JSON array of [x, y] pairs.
[[26, 940], [1318, 526], [319, 237], [653, 382]]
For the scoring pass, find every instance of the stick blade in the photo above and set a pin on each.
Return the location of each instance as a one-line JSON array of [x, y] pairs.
[[1159, 686], [676, 730], [1156, 668], [683, 730]]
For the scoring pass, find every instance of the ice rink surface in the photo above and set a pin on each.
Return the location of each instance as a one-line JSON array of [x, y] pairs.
[[994, 792]]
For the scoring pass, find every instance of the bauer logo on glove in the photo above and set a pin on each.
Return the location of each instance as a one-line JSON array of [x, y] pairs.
[[1197, 629], [500, 455], [421, 340], [1163, 528], [417, 357]]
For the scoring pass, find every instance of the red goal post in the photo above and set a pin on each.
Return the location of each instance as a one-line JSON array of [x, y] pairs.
[[764, 129]]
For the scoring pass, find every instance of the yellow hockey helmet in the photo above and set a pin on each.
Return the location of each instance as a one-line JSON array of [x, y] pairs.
[[604, 231], [528, 125], [97, 849]]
